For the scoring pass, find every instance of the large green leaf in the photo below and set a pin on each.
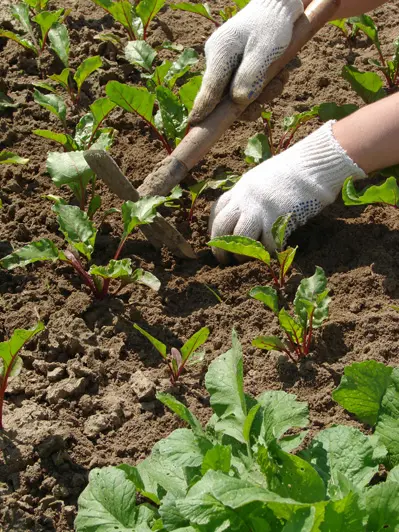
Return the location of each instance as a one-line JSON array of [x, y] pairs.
[[332, 111], [46, 20], [188, 92], [241, 245], [101, 109], [61, 138], [387, 193], [180, 409], [257, 149], [10, 348], [368, 85], [148, 9], [60, 43], [140, 212], [382, 506], [77, 228], [140, 53], [224, 382], [133, 99], [159, 346], [41, 250], [267, 295], [184, 448], [388, 420], [342, 452], [69, 169], [362, 389], [52, 103], [115, 269], [21, 13], [85, 69], [343, 515], [311, 299], [181, 66], [366, 24], [173, 113], [109, 503], [218, 458], [9, 157], [194, 342], [5, 34]]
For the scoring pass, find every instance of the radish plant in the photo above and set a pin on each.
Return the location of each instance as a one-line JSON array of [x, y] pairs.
[[80, 236], [177, 359], [242, 470], [134, 18], [387, 193], [10, 361], [310, 311], [165, 112], [70, 168]]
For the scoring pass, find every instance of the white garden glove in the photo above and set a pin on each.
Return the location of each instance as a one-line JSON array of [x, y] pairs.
[[302, 180], [245, 46]]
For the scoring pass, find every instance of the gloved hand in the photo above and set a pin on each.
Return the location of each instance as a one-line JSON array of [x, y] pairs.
[[244, 47], [302, 180]]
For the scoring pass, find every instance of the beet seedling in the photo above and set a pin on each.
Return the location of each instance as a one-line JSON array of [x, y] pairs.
[[223, 183], [387, 193], [10, 362], [177, 359], [9, 157], [310, 311], [80, 236], [203, 10]]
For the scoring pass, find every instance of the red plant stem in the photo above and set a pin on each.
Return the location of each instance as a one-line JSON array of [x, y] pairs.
[[161, 138], [275, 279], [310, 333], [75, 263]]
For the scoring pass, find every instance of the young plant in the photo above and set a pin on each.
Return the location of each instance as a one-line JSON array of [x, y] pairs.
[[310, 311], [10, 363], [177, 359], [134, 18], [165, 112], [203, 10], [70, 168], [387, 193], [80, 236], [247, 247], [48, 22], [9, 157], [242, 471], [223, 183], [347, 28]]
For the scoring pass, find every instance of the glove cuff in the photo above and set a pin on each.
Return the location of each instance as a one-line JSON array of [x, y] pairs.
[[325, 161]]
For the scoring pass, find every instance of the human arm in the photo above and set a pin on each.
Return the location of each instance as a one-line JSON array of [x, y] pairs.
[[309, 176], [352, 8]]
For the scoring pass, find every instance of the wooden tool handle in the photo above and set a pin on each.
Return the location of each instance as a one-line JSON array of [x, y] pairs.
[[200, 139]]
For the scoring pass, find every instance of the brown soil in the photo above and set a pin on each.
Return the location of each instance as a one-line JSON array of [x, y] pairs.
[[73, 407]]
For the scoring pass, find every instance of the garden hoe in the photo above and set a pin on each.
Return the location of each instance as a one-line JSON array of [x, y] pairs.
[[200, 139]]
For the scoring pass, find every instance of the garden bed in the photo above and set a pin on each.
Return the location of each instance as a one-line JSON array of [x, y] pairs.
[[76, 403]]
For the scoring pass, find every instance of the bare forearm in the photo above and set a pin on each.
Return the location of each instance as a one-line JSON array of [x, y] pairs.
[[352, 8], [371, 135]]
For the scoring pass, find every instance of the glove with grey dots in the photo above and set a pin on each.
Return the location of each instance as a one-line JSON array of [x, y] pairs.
[[302, 180], [242, 50]]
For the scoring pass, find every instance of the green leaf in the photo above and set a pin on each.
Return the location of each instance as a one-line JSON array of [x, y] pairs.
[[342, 452], [188, 92], [41, 250], [77, 228], [344, 514], [140, 212], [173, 113], [10, 348], [6, 102], [285, 259], [115, 269], [368, 85], [148, 9], [69, 169], [291, 326], [366, 24], [133, 99], [145, 278], [179, 408], [241, 245], [63, 78], [61, 138], [332, 111], [101, 109], [85, 69], [258, 149], [362, 389], [279, 230], [199, 9], [94, 204], [160, 72], [291, 123], [181, 66], [193, 343], [5, 34], [109, 503], [281, 412], [9, 157], [183, 448], [122, 11], [21, 13], [60, 43], [387, 193], [140, 53], [46, 20], [289, 475], [269, 343], [249, 421], [52, 103], [387, 428], [382, 506], [159, 346], [225, 384], [109, 37], [217, 459], [312, 298], [267, 295]]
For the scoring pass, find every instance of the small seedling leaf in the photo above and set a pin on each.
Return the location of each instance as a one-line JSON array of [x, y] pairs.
[[19, 40], [140, 53], [85, 69], [52, 103], [217, 459], [312, 298], [146, 278], [269, 343], [46, 20], [188, 92], [101, 109], [258, 149], [173, 113], [241, 245], [60, 43], [181, 66], [286, 258], [77, 228], [267, 295], [148, 9], [387, 193], [140, 212], [115, 269], [249, 420], [21, 13], [368, 85], [69, 169], [181, 410], [291, 326], [133, 99], [61, 138], [6, 102], [9, 157], [159, 346], [199, 9], [11, 347], [62, 79], [41, 250], [193, 343], [279, 230]]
